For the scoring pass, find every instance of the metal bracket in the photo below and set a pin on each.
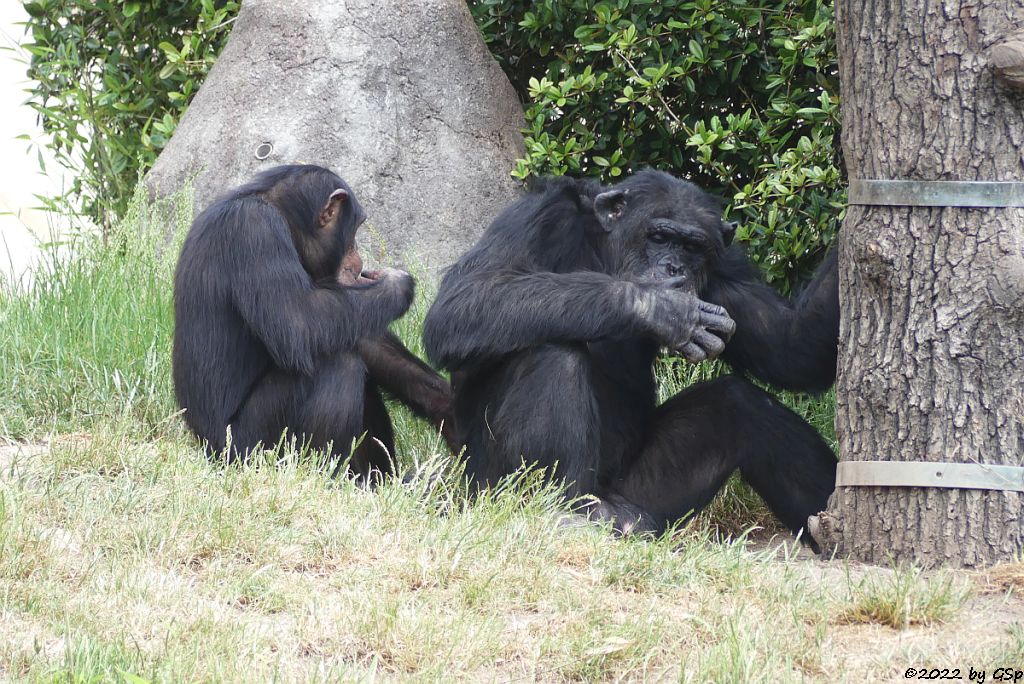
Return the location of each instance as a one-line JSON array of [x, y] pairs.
[[927, 474], [913, 193]]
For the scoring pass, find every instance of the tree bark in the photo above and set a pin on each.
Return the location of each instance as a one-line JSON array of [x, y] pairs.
[[932, 330]]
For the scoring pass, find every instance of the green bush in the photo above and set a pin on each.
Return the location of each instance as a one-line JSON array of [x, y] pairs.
[[112, 81], [740, 97]]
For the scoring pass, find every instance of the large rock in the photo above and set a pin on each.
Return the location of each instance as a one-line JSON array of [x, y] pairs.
[[400, 97]]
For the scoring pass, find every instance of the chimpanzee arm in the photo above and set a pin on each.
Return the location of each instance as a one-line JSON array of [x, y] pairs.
[[398, 372], [296, 319], [791, 344], [491, 312]]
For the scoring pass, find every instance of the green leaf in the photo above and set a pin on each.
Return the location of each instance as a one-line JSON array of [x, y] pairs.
[[170, 50]]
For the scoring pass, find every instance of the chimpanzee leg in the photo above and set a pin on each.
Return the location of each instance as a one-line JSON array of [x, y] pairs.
[[334, 412], [539, 407], [377, 449], [266, 413], [703, 434], [325, 409]]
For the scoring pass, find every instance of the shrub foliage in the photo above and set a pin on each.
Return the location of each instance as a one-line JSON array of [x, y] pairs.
[[741, 96], [112, 79]]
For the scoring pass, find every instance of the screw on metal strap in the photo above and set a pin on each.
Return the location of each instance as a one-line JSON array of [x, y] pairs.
[[913, 193], [928, 474]]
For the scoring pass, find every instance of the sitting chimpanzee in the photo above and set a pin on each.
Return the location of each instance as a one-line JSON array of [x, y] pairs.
[[277, 327], [551, 323]]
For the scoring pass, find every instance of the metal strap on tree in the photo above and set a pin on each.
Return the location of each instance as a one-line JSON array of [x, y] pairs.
[[918, 193], [930, 474]]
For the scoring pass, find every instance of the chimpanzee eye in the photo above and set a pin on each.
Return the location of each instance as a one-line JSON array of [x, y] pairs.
[[659, 237], [693, 245]]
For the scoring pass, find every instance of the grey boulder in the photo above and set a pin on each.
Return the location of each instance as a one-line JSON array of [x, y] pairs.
[[401, 98]]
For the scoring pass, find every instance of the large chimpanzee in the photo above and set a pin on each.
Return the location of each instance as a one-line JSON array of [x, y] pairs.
[[551, 323], [277, 326]]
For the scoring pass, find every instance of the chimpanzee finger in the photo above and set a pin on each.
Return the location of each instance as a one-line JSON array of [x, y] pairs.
[[692, 353], [719, 323], [713, 345], [387, 272], [710, 308]]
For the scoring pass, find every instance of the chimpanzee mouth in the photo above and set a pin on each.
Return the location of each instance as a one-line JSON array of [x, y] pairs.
[[658, 275], [349, 277]]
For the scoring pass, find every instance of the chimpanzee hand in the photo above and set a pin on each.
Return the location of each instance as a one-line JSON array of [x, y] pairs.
[[678, 319], [390, 288], [713, 330], [440, 410]]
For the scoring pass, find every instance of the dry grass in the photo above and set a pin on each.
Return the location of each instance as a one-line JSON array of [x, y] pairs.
[[1001, 578], [906, 597], [123, 559]]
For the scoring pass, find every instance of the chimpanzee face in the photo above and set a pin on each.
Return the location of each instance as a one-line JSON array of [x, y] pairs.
[[660, 227], [328, 248], [340, 232], [322, 214]]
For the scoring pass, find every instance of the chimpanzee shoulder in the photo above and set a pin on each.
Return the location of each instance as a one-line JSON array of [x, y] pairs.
[[545, 229]]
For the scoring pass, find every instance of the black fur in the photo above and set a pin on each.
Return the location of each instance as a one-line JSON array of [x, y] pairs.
[[791, 344], [551, 324], [267, 338]]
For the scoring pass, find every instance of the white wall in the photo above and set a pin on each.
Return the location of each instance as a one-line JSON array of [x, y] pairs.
[[22, 226]]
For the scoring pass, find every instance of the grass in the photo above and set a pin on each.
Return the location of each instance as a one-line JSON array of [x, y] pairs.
[[905, 597], [91, 340], [126, 556]]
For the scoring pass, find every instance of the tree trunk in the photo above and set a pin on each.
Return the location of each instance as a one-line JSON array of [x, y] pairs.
[[932, 332]]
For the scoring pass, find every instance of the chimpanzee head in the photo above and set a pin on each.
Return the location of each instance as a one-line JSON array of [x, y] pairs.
[[323, 215], [658, 227]]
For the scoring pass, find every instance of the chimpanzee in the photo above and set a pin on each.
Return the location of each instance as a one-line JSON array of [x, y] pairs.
[[278, 327], [551, 324], [788, 344]]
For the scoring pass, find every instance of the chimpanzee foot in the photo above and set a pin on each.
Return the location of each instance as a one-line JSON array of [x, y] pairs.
[[625, 517]]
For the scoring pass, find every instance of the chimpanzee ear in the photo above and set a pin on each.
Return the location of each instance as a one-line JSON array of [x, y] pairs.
[[729, 231], [609, 207], [333, 207]]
